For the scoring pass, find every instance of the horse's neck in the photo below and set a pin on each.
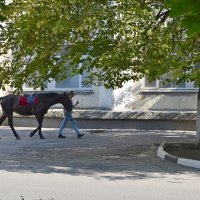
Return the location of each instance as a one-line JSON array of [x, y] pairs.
[[53, 101]]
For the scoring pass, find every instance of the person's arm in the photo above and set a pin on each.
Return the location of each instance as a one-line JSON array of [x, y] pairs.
[[75, 104]]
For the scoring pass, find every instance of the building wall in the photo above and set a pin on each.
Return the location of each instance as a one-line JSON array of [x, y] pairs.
[[163, 99], [123, 97], [132, 106], [98, 98], [133, 97]]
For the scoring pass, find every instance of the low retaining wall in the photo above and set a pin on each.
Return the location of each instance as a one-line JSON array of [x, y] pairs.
[[98, 119]]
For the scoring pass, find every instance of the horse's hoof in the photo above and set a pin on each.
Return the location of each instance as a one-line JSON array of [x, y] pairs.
[[31, 134], [18, 138], [42, 137]]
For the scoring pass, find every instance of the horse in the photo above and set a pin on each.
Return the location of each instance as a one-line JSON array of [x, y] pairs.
[[37, 104]]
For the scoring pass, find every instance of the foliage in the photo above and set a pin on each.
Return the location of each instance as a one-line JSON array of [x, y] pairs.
[[116, 40], [188, 11], [187, 14], [2, 7]]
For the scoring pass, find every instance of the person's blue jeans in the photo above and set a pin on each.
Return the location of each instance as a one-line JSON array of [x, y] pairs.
[[68, 117]]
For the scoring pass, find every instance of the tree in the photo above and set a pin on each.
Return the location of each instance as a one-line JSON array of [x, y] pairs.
[[123, 41], [118, 40], [188, 12], [2, 7]]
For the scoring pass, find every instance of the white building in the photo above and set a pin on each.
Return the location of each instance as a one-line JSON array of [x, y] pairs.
[[136, 105]]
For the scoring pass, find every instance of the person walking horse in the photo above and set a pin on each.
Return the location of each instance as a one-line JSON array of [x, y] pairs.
[[38, 106], [68, 117]]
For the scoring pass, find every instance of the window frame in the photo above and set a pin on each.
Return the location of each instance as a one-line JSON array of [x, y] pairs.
[[189, 87], [52, 85]]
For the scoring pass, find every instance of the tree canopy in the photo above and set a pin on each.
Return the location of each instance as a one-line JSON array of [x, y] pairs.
[[116, 40], [188, 11]]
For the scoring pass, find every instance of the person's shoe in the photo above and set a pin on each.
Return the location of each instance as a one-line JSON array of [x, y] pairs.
[[80, 135], [61, 136]]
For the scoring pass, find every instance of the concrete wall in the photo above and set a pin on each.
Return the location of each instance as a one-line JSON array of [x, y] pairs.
[[98, 98], [129, 107], [166, 101], [134, 97], [123, 97]]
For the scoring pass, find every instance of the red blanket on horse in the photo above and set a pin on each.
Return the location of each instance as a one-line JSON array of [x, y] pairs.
[[28, 100]]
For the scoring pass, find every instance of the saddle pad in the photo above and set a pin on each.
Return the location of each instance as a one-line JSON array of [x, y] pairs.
[[28, 100]]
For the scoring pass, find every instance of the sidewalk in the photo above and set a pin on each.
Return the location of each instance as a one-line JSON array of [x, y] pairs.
[[104, 164]]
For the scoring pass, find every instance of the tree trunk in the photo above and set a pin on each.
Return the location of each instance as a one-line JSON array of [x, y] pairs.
[[198, 121]]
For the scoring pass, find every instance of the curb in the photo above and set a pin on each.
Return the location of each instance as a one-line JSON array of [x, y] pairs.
[[161, 153]]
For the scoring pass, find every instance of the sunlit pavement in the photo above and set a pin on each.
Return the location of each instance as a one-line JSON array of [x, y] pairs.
[[104, 164]]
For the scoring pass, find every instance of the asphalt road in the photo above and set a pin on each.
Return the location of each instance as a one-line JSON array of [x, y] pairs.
[[104, 164]]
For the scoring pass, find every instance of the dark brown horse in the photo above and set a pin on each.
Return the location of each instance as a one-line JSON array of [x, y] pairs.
[[37, 105]]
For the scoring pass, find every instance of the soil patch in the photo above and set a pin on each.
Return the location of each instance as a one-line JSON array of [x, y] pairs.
[[183, 150]]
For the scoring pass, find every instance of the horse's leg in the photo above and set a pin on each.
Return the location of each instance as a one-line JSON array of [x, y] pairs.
[[33, 132], [40, 118], [3, 117], [10, 123]]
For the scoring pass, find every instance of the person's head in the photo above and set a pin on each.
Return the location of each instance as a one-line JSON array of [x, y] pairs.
[[71, 94]]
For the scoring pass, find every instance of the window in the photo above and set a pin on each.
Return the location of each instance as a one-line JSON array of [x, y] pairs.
[[74, 83], [158, 84]]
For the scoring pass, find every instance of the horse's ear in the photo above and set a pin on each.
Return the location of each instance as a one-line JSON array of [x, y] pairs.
[[65, 93]]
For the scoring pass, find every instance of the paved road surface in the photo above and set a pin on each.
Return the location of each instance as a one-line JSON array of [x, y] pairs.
[[105, 164]]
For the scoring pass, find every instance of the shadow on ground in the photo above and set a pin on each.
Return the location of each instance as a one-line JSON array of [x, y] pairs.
[[129, 154]]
